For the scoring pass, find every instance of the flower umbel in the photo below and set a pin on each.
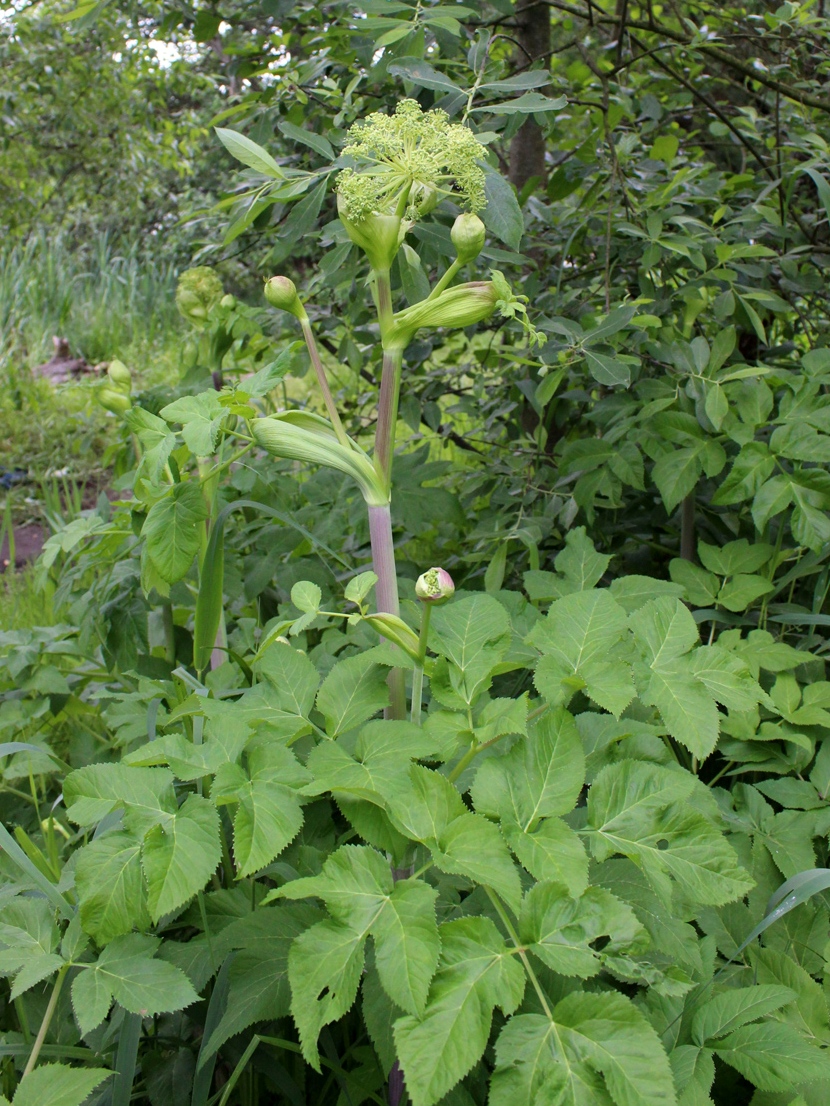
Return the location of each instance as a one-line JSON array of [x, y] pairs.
[[409, 160], [198, 291]]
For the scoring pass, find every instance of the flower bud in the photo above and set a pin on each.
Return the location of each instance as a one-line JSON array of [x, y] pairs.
[[282, 293], [379, 236], [462, 305], [115, 401], [435, 586], [120, 375], [467, 236], [228, 301]]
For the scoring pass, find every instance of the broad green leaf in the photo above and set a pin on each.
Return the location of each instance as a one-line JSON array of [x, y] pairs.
[[146, 794], [742, 590], [128, 970], [476, 974], [353, 691], [589, 1035], [316, 141], [357, 887], [248, 152], [181, 856], [676, 473], [407, 944], [750, 469], [172, 530], [324, 967], [201, 418], [474, 635], [502, 215], [423, 74], [58, 1085], [580, 631], [701, 587], [528, 104], [258, 975], [665, 629], [561, 930], [607, 370], [643, 811], [726, 677], [542, 774], [633, 592], [471, 846], [379, 768], [110, 887], [306, 596], [551, 852], [734, 558], [735, 1008], [429, 804], [773, 1056], [269, 816], [688, 710]]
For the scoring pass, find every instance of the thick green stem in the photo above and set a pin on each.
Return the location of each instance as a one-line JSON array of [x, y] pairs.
[[445, 279], [418, 675], [322, 380], [390, 389], [47, 1019]]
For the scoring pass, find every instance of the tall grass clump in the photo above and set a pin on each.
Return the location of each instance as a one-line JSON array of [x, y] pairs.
[[105, 297]]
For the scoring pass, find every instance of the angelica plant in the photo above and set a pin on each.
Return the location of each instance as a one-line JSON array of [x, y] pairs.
[[402, 166]]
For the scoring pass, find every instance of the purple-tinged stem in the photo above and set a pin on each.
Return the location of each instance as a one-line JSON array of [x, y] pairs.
[[390, 388], [386, 595]]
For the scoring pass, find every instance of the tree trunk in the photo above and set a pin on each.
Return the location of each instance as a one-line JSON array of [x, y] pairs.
[[527, 149]]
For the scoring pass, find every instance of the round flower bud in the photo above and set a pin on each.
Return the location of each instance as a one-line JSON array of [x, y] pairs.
[[114, 401], [120, 375], [282, 293], [228, 301], [435, 586], [467, 236]]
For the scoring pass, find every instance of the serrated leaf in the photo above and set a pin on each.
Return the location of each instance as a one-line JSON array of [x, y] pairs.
[[773, 1056], [471, 846], [735, 1008], [580, 631], [269, 816], [353, 691], [110, 887], [258, 975], [324, 967], [589, 1036], [146, 795], [181, 856], [377, 771], [642, 811], [476, 974], [172, 530], [542, 774], [561, 930], [59, 1085], [201, 417], [551, 852], [474, 635], [127, 968]]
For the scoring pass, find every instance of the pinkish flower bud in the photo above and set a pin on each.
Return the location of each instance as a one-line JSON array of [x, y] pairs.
[[435, 586]]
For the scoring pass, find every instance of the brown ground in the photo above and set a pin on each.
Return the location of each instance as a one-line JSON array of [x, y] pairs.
[[28, 542]]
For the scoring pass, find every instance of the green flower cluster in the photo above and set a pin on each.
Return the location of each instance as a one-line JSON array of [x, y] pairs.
[[412, 158]]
